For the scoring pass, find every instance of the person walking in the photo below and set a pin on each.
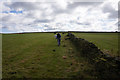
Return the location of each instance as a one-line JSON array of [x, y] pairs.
[[58, 39]]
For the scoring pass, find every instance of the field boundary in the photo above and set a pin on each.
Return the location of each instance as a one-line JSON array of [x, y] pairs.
[[85, 45], [105, 64]]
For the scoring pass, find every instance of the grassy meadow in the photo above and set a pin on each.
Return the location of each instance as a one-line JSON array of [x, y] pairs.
[[36, 55], [107, 42]]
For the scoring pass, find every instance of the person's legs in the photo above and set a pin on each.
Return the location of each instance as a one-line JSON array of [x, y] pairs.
[[58, 42]]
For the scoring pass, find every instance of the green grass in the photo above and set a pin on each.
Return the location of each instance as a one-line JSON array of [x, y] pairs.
[[32, 56], [107, 42]]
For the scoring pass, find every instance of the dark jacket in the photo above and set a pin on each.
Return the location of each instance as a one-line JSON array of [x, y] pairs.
[[58, 36]]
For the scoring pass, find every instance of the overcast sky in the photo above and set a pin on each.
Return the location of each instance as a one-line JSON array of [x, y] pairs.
[[60, 15]]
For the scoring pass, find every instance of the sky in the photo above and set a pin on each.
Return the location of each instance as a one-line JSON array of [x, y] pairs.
[[58, 15]]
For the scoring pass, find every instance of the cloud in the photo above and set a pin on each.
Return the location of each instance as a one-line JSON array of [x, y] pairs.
[[84, 4], [22, 5], [43, 21], [60, 15], [108, 8]]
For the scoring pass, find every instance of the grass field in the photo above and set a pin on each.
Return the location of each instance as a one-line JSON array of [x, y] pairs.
[[36, 55], [33, 56], [107, 42]]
